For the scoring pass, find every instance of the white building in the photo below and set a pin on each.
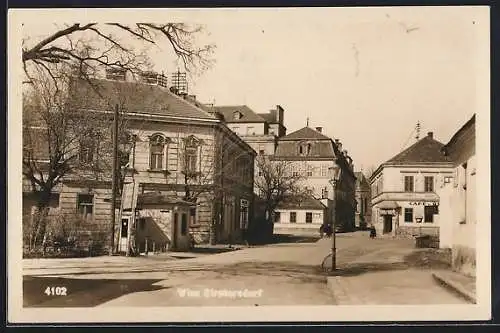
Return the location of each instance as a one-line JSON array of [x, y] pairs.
[[458, 200], [304, 217], [403, 189]]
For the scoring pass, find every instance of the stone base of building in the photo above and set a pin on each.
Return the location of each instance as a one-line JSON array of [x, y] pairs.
[[463, 260]]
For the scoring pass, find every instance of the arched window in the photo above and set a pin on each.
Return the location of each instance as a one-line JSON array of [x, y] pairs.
[[157, 152], [191, 151]]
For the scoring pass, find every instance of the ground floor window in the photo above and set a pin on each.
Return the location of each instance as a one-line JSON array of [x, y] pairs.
[[409, 215], [277, 217], [192, 215], [85, 203], [293, 217], [309, 217]]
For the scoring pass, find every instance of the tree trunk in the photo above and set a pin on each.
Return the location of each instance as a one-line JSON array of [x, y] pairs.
[[39, 221]]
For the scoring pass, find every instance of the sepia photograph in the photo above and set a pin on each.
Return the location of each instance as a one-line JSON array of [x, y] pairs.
[[249, 164]]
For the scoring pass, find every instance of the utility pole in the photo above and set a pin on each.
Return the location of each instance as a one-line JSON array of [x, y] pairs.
[[113, 179]]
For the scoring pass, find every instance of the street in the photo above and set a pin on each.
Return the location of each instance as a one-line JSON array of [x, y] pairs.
[[278, 274]]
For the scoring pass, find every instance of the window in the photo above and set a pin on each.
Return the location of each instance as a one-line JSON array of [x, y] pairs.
[[429, 183], [429, 212], [447, 179], [301, 150], [324, 171], [115, 74], [124, 228], [157, 152], [408, 183], [244, 204], [277, 217], [235, 129], [293, 217], [324, 193], [236, 115], [192, 216], [409, 215], [309, 217], [85, 204], [309, 173], [296, 173], [191, 154], [261, 152]]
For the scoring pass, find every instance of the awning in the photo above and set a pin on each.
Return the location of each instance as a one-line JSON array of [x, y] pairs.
[[388, 205]]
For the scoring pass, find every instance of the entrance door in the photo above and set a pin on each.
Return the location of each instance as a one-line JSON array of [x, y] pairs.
[[387, 224], [124, 235]]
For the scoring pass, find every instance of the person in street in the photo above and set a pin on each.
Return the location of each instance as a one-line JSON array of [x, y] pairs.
[[328, 230], [373, 232], [322, 231]]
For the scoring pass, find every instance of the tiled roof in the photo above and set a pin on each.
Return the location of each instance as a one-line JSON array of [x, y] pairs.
[[302, 203], [135, 97], [247, 114], [426, 150], [305, 133]]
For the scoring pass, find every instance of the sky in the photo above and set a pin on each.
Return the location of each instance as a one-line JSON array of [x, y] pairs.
[[366, 75]]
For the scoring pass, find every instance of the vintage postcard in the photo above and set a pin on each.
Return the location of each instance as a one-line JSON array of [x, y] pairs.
[[249, 164]]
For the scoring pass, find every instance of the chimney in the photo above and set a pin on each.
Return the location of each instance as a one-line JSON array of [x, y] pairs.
[[319, 129], [430, 135], [345, 153]]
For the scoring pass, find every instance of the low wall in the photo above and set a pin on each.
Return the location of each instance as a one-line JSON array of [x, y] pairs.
[[463, 260]]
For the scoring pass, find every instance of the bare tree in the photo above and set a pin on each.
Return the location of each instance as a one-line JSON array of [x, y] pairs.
[[62, 138], [90, 46], [277, 183]]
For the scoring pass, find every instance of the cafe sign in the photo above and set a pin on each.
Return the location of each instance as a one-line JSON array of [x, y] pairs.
[[424, 203]]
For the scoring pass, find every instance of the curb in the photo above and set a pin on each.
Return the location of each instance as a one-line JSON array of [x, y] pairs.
[[455, 288], [340, 290]]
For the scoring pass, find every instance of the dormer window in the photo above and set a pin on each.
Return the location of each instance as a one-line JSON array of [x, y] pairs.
[[237, 115], [305, 149]]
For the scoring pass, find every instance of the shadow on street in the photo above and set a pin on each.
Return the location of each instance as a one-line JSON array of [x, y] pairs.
[[283, 238], [80, 292]]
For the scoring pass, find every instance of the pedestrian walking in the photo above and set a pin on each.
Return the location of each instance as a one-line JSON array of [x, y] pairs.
[[373, 232], [328, 230], [322, 231]]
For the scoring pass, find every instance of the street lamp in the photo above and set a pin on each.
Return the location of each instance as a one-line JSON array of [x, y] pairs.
[[335, 173]]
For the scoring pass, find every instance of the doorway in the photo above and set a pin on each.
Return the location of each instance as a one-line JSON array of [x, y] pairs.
[[387, 224]]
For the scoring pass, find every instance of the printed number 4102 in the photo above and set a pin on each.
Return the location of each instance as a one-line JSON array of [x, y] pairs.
[[56, 291]]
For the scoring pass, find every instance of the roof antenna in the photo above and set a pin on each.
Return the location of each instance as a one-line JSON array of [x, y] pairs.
[[307, 122], [418, 131]]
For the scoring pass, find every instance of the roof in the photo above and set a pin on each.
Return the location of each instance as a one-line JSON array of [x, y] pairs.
[[268, 117], [426, 150], [135, 97], [247, 114], [462, 143], [305, 133], [301, 203]]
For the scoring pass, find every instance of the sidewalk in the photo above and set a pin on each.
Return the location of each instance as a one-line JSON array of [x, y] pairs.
[[463, 285], [384, 277]]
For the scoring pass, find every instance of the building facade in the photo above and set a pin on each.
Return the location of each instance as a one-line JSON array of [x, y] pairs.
[[304, 217], [313, 155], [177, 150], [458, 197], [403, 189], [363, 201]]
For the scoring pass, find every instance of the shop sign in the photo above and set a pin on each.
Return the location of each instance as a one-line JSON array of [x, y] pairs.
[[424, 203]]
